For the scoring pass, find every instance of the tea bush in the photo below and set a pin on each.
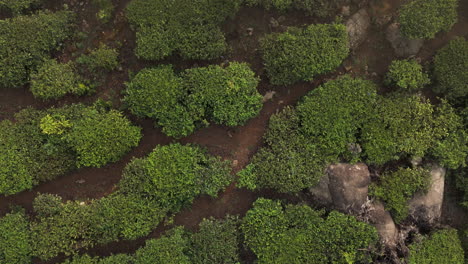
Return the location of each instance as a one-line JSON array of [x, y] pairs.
[[442, 246], [397, 188], [15, 239], [27, 41], [179, 104], [319, 8], [16, 7], [100, 138], [425, 18], [53, 80], [189, 28], [411, 126], [301, 143], [103, 58], [407, 75], [43, 144], [299, 234], [450, 70], [216, 242], [300, 54], [174, 175]]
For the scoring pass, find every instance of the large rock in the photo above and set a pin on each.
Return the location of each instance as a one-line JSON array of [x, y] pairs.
[[357, 27], [426, 208], [403, 46], [320, 192], [348, 186], [383, 222]]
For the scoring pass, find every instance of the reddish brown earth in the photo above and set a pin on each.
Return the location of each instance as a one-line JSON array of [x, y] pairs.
[[236, 144]]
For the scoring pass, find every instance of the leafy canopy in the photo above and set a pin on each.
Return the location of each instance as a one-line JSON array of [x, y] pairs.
[[451, 70], [407, 75], [397, 188], [425, 18], [26, 43], [179, 104], [443, 246], [190, 28], [300, 54], [299, 234]]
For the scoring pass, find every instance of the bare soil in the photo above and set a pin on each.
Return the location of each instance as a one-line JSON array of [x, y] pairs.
[[236, 144]]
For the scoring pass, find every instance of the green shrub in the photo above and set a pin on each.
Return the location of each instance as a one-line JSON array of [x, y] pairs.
[[461, 182], [16, 7], [106, 8], [282, 5], [288, 163], [158, 93], [451, 69], [15, 176], [300, 144], [102, 58], [179, 104], [15, 239], [227, 96], [407, 75], [64, 232], [216, 242], [170, 249], [410, 126], [319, 8], [126, 217], [191, 29], [397, 188], [443, 246], [174, 175], [100, 138], [334, 113], [425, 18], [43, 144], [26, 43], [300, 54], [299, 234], [46, 205], [451, 144], [54, 80]]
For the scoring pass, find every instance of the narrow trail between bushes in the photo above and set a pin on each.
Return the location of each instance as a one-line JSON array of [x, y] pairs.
[[235, 144]]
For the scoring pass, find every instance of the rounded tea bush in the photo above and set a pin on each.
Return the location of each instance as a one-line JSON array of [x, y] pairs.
[[408, 75]]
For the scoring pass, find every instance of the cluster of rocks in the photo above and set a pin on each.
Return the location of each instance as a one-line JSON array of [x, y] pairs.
[[344, 187]]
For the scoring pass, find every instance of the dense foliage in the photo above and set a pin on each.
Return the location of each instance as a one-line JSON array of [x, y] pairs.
[[43, 144], [26, 43], [425, 18], [169, 178], [16, 7], [407, 75], [99, 138], [103, 58], [396, 189], [300, 143], [15, 240], [320, 8], [443, 246], [302, 53], [299, 234], [174, 175], [189, 28], [451, 69], [216, 242], [54, 80], [181, 103], [409, 126]]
